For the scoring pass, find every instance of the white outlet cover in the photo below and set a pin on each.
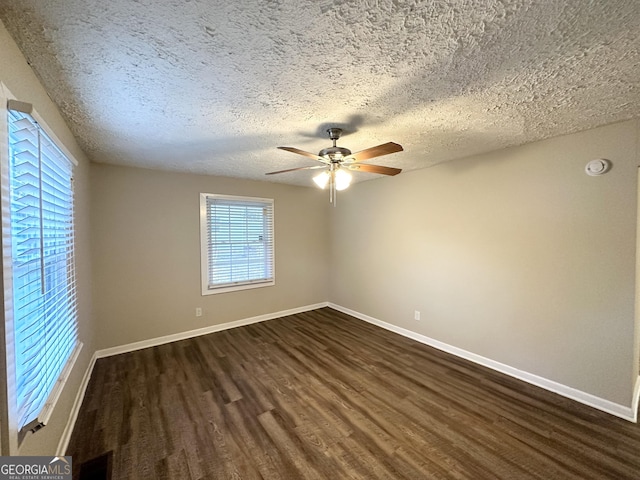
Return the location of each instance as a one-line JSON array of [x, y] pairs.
[[596, 167]]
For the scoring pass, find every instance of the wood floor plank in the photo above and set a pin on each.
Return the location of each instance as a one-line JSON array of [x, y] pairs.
[[322, 395]]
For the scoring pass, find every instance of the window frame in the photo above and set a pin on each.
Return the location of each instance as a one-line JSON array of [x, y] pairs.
[[204, 244], [11, 433]]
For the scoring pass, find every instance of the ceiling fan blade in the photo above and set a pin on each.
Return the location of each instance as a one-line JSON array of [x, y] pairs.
[[294, 169], [302, 152], [365, 167], [378, 151]]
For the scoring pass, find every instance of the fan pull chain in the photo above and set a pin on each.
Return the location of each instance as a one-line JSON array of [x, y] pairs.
[[333, 192]]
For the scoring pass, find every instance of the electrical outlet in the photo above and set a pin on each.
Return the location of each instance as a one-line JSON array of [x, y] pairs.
[[416, 315], [198, 312]]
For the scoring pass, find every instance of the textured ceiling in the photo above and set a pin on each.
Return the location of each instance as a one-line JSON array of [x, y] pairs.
[[214, 86]]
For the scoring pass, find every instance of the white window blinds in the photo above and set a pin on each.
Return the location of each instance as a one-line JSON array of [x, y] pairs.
[[42, 265], [237, 242]]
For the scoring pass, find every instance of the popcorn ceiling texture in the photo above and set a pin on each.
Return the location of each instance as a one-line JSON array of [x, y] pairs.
[[214, 86]]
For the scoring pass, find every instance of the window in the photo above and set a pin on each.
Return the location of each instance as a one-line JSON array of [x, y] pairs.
[[38, 269], [236, 241]]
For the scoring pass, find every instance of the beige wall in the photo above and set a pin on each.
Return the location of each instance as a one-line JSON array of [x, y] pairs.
[[517, 256], [16, 74], [146, 251]]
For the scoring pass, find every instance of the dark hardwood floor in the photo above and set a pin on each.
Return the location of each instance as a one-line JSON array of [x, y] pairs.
[[321, 395]]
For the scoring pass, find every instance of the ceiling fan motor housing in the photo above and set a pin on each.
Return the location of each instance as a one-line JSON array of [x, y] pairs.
[[335, 154]]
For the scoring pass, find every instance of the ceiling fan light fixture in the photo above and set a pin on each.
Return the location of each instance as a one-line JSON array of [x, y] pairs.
[[342, 179], [322, 179]]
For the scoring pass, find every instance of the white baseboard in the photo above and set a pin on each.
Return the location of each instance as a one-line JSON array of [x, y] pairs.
[[636, 399], [73, 415], [622, 411], [130, 347], [153, 342]]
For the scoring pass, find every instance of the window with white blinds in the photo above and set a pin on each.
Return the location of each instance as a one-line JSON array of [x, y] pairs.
[[42, 270], [237, 243]]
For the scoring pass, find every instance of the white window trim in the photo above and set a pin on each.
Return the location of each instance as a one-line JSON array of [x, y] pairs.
[[9, 431], [204, 254]]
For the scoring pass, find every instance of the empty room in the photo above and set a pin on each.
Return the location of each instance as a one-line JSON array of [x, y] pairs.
[[375, 239]]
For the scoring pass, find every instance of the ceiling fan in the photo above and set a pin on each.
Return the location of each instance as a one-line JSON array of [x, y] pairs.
[[336, 161]]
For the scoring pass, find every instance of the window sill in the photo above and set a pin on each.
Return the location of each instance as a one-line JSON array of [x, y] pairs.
[[235, 288]]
